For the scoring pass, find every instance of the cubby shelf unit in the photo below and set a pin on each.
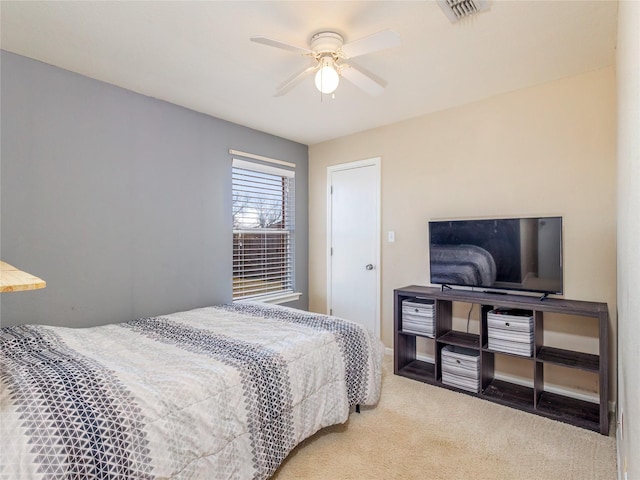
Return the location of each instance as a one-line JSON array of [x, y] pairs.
[[534, 399]]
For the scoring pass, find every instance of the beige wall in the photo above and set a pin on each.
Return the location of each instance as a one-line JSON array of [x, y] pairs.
[[545, 150], [628, 68]]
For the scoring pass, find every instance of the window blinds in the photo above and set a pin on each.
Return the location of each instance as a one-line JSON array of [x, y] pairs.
[[263, 225]]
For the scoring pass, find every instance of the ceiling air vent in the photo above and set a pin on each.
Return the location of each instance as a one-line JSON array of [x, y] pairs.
[[457, 9]]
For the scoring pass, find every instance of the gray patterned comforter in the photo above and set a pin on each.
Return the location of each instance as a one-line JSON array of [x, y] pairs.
[[214, 393], [462, 265]]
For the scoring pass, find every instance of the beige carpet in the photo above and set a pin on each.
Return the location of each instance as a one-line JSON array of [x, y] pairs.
[[419, 431]]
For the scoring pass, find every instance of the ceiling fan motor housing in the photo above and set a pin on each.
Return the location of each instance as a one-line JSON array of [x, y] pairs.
[[326, 42]]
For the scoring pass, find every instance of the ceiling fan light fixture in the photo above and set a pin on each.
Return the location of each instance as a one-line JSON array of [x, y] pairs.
[[327, 78], [331, 59]]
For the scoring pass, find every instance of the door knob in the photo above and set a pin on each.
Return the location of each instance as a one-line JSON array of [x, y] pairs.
[[369, 267]]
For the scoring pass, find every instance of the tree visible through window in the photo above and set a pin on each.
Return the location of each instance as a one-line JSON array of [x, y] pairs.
[[262, 229]]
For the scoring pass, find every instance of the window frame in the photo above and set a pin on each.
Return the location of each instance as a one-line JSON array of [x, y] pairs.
[[287, 230]]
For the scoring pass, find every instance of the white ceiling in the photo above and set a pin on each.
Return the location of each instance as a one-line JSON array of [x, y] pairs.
[[198, 54]]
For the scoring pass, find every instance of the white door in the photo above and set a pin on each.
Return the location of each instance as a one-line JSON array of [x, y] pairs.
[[353, 240]]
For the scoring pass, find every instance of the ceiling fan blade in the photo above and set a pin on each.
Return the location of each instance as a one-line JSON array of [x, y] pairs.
[[362, 78], [294, 80], [372, 43], [278, 44]]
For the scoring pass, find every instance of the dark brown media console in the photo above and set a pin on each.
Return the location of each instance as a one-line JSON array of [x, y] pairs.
[[534, 399]]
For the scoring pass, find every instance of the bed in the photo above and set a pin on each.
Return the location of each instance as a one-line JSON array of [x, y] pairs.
[[218, 392], [462, 265]]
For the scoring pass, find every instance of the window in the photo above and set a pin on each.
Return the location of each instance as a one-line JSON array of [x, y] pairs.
[[263, 214]]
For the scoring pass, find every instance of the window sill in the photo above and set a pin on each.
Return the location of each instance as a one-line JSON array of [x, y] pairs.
[[275, 299]]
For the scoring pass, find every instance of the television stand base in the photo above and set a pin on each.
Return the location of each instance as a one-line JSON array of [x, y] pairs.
[[493, 386]]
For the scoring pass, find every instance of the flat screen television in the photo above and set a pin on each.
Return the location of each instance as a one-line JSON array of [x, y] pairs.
[[521, 254]]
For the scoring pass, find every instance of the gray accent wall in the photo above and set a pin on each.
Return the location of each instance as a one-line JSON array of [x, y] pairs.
[[120, 202]]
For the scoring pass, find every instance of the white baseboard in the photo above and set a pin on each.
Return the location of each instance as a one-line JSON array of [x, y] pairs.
[[557, 389]]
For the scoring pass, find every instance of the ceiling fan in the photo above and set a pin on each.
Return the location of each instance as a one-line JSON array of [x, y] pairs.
[[331, 59]]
